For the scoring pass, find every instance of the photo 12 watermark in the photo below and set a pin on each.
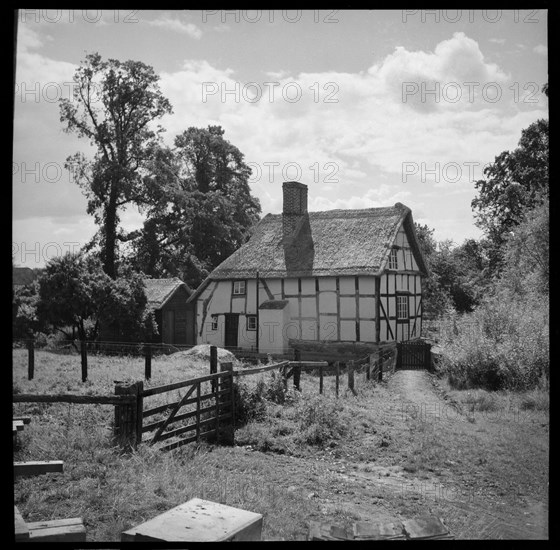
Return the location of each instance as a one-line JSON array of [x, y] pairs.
[[42, 173], [428, 412], [269, 16], [293, 171], [253, 92], [470, 16], [448, 172], [453, 92], [78, 16], [54, 92], [39, 253]]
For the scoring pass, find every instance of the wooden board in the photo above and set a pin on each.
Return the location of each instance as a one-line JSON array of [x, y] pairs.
[[327, 531], [199, 521], [58, 530], [17, 425], [429, 527], [37, 468], [365, 530], [21, 529], [24, 419]]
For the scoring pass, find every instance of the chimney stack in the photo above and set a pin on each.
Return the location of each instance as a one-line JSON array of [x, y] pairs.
[[294, 207]]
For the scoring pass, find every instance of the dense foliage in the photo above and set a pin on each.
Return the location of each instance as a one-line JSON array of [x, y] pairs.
[[75, 292]]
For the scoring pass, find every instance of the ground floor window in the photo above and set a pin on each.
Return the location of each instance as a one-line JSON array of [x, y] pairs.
[[214, 325], [251, 322]]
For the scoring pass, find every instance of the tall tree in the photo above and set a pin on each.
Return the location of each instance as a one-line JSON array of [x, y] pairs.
[[202, 207], [115, 105]]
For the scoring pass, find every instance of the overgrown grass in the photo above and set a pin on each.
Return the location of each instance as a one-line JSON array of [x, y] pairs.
[[113, 491], [286, 421], [503, 344]]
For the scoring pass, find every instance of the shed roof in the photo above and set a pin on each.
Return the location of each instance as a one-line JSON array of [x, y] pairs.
[[158, 291], [330, 243]]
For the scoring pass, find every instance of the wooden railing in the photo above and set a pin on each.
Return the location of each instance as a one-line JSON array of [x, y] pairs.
[[208, 402]]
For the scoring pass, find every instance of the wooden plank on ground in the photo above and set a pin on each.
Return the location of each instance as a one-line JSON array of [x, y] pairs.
[[24, 419], [58, 530], [367, 530], [37, 467], [17, 425], [327, 531], [424, 528], [21, 529]]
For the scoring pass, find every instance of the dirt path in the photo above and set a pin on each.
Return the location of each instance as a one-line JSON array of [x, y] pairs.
[[473, 506], [420, 454]]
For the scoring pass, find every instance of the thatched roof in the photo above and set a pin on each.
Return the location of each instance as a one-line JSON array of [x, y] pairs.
[[331, 243], [158, 291]]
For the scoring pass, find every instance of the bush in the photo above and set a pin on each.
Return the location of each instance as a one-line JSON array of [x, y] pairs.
[[251, 404], [320, 420], [503, 344]]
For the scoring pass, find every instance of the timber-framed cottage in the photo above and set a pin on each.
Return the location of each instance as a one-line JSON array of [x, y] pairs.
[[337, 276]]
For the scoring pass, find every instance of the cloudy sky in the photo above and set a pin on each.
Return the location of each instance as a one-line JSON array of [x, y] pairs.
[[367, 108]]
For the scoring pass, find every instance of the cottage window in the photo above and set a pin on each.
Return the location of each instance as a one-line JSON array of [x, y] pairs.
[[402, 307], [393, 262], [239, 287], [214, 325], [251, 322]]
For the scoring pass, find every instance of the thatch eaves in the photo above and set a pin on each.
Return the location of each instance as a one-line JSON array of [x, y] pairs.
[[330, 243]]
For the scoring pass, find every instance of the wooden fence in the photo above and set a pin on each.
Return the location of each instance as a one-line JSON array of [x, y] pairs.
[[208, 402], [143, 349]]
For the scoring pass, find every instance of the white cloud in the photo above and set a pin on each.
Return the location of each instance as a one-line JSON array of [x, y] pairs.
[[366, 122], [176, 25], [500, 41], [541, 49]]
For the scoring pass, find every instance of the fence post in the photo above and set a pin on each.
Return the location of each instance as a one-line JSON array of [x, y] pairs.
[[320, 380], [297, 369], [368, 367], [351, 377], [128, 416], [139, 411], [148, 357], [228, 435], [380, 377], [83, 349], [213, 365], [30, 359], [337, 366]]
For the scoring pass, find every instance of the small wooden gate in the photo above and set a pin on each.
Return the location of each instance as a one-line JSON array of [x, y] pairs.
[[413, 355], [215, 421]]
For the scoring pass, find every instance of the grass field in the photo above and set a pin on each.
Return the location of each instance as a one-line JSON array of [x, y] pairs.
[[340, 460]]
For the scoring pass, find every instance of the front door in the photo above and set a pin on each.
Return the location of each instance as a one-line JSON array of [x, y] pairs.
[[231, 329]]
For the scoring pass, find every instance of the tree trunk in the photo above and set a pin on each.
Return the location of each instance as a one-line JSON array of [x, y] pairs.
[[110, 234]]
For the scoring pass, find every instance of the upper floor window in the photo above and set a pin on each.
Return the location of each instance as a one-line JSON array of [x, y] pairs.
[[214, 324], [402, 306], [393, 262], [238, 287]]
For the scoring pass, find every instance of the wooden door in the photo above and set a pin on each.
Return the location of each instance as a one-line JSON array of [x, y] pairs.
[[168, 329], [231, 329]]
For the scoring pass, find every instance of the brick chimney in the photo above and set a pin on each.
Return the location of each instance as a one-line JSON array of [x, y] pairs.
[[294, 207]]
